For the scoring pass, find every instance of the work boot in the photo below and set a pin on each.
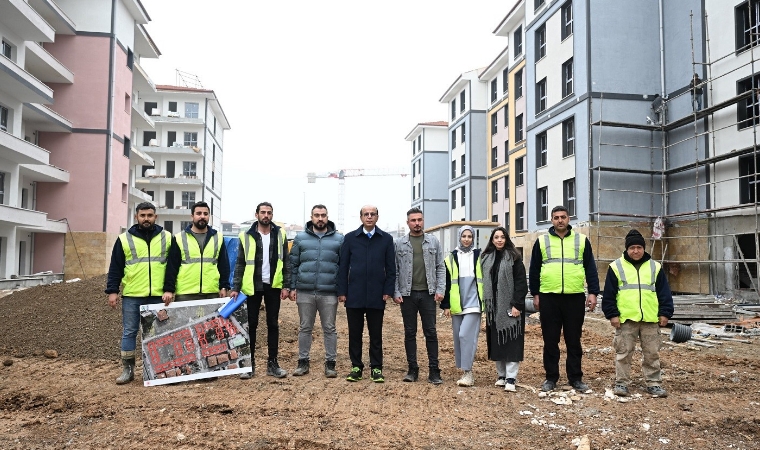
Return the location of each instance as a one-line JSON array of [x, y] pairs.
[[467, 379], [435, 376], [274, 369], [412, 375], [128, 370], [302, 369], [330, 371]]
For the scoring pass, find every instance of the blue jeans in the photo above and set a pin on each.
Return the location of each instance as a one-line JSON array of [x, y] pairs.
[[130, 319], [309, 303]]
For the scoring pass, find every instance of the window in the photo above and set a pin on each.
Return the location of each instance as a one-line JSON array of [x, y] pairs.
[[494, 157], [150, 108], [462, 196], [453, 169], [127, 146], [7, 50], [2, 188], [414, 195], [453, 139], [541, 96], [171, 138], [747, 24], [506, 220], [494, 89], [567, 20], [568, 195], [214, 125], [463, 132], [537, 4], [568, 137], [3, 118], [519, 171], [461, 102], [185, 224], [414, 147], [494, 192], [517, 41], [506, 187], [542, 204], [506, 151], [188, 168], [454, 199], [212, 178], [519, 128], [213, 152], [191, 110], [127, 104], [191, 139], [188, 198], [505, 80], [130, 58], [748, 109], [749, 179], [494, 218], [172, 106], [567, 78], [541, 150], [520, 216], [419, 142], [462, 165], [169, 226], [541, 42], [506, 116], [518, 84], [494, 123], [453, 109], [419, 190]]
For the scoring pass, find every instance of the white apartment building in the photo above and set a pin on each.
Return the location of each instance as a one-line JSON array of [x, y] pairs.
[[186, 143], [429, 160]]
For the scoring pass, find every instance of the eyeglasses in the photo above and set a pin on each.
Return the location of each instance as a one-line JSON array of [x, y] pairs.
[[369, 214]]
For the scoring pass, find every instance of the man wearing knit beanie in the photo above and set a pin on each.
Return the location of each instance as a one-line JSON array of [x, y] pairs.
[[637, 301]]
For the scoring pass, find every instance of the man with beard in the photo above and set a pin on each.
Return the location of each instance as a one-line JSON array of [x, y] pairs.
[[420, 286], [314, 264], [366, 275], [262, 270], [138, 261], [197, 268]]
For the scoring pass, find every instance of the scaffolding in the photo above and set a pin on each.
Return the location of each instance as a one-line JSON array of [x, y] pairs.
[[691, 228]]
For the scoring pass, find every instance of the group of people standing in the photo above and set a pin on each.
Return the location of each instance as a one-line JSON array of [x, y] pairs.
[[366, 268]]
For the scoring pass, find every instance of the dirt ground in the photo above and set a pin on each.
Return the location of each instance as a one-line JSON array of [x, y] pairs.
[[71, 401]]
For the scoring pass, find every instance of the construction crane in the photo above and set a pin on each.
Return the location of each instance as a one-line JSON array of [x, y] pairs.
[[341, 176]]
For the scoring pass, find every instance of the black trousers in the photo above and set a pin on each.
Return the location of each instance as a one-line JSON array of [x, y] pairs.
[[562, 314], [355, 318], [423, 303], [271, 297]]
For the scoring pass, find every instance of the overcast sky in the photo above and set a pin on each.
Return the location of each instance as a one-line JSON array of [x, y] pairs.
[[321, 86]]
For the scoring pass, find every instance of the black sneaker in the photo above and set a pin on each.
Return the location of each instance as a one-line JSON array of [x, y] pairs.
[[302, 369], [274, 369], [435, 376], [330, 371], [412, 375], [579, 386], [548, 386], [376, 375], [355, 374]]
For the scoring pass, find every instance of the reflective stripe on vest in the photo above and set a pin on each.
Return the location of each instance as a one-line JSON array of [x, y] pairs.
[[248, 286], [562, 263], [145, 264], [637, 294], [455, 299], [198, 273]]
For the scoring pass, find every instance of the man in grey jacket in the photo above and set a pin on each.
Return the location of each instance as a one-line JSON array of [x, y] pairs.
[[314, 266], [420, 286]]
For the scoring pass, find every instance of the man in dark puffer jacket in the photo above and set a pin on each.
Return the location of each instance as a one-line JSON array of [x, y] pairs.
[[314, 266]]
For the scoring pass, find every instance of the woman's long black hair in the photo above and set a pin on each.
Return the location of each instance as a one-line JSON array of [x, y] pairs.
[[508, 245]]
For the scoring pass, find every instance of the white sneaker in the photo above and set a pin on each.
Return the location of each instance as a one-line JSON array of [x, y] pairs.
[[509, 387], [467, 379], [501, 381]]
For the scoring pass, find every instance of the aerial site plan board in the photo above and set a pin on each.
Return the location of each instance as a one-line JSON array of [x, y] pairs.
[[190, 341]]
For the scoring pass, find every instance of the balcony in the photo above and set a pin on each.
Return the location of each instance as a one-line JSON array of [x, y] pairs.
[[140, 120], [45, 67], [174, 150], [181, 180], [138, 196], [35, 221], [25, 22], [138, 158], [55, 16], [144, 45], [177, 211], [22, 85], [20, 151], [41, 118], [176, 120], [44, 173], [141, 82]]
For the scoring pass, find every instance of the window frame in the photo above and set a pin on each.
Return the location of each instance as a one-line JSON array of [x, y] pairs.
[[190, 168], [569, 196], [743, 16], [505, 81], [494, 122], [453, 199], [537, 4], [453, 169], [567, 20], [518, 84], [189, 142], [494, 89], [5, 114], [462, 101], [494, 157], [568, 88], [464, 132], [6, 47], [495, 191], [519, 128], [748, 195], [517, 41], [187, 202], [541, 42], [463, 196], [519, 171], [189, 112], [541, 150], [541, 96], [568, 137], [542, 204], [520, 216], [748, 110], [463, 164]]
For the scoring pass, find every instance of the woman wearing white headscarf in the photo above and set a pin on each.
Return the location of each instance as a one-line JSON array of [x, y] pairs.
[[463, 301]]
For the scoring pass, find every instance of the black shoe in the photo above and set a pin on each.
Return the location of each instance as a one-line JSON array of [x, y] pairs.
[[376, 375], [412, 375], [435, 376], [274, 369], [302, 369], [330, 371], [579, 386], [355, 374], [548, 386]]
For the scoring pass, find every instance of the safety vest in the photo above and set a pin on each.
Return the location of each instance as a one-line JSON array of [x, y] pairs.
[[145, 264], [198, 273], [637, 296], [249, 250], [562, 271], [455, 301]]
